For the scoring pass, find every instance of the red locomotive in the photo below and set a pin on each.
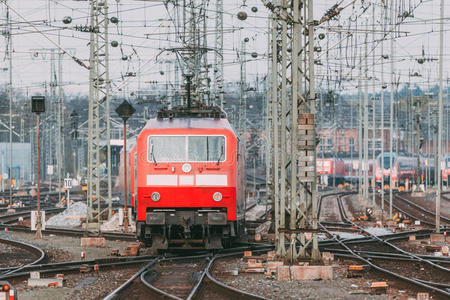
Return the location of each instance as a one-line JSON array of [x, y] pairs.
[[188, 180], [404, 169], [341, 170], [446, 169]]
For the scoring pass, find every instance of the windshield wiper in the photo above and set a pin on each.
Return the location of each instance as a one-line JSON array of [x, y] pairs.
[[153, 154], [154, 159], [221, 154]]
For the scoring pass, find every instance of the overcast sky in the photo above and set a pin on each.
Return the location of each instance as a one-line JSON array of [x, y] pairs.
[[142, 33]]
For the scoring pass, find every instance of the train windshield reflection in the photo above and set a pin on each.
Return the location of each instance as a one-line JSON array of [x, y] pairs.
[[386, 164], [186, 148]]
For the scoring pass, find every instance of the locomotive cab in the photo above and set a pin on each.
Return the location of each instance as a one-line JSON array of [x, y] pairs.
[[190, 183]]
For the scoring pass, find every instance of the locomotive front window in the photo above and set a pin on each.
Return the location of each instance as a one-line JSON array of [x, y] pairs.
[[193, 148], [386, 161], [206, 148], [167, 148]]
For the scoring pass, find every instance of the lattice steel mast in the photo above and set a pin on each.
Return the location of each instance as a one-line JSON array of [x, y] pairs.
[[218, 56], [294, 119], [99, 184]]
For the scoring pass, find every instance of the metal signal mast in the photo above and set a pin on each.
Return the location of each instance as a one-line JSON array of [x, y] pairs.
[[293, 129], [218, 56], [99, 183]]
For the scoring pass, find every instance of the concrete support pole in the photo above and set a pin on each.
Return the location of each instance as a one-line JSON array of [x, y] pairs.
[[59, 121], [125, 175], [106, 98], [296, 89], [360, 136], [391, 118], [275, 127], [269, 125], [38, 227], [440, 109], [374, 109], [384, 22], [366, 121], [10, 92], [243, 90], [315, 254], [283, 145]]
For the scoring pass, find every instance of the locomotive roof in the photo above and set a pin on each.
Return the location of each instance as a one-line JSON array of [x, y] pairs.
[[194, 123]]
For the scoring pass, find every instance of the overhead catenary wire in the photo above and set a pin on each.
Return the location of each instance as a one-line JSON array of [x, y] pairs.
[[77, 60]]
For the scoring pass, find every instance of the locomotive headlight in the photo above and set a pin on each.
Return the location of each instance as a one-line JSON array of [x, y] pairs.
[[156, 196], [217, 196]]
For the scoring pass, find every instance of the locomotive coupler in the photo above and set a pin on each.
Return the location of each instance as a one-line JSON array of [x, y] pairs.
[[187, 230], [169, 234]]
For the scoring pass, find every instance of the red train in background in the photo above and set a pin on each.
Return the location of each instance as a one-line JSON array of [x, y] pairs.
[[187, 176], [404, 169], [446, 170], [340, 170]]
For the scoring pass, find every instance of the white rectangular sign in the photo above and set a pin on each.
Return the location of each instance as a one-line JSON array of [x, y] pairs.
[[34, 220], [50, 169], [68, 183]]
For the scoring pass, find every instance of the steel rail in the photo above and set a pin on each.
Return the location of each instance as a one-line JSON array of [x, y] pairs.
[[193, 294], [387, 237], [388, 255], [412, 255], [220, 284], [155, 289], [195, 289], [142, 273], [72, 232], [92, 262], [14, 217], [115, 294], [411, 280], [431, 286], [415, 205], [408, 214], [75, 267], [30, 248], [165, 294]]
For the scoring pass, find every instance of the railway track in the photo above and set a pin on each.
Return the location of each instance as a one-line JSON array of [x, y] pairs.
[[73, 266], [175, 278], [382, 260], [14, 217], [38, 253], [417, 212], [182, 278], [8, 220], [384, 241], [73, 232]]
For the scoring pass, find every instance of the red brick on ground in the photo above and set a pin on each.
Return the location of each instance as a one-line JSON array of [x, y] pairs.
[[311, 272], [93, 242], [423, 296], [272, 265], [283, 273], [440, 238]]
